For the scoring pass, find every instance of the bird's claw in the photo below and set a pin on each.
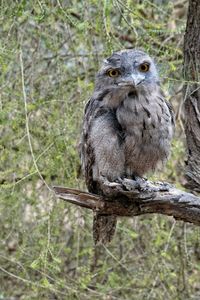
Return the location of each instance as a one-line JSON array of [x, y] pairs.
[[152, 187], [132, 186], [110, 187], [162, 186], [142, 185], [129, 184]]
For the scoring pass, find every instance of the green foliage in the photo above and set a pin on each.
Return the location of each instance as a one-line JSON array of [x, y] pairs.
[[49, 53]]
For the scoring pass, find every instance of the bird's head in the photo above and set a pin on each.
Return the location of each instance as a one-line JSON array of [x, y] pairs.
[[128, 70]]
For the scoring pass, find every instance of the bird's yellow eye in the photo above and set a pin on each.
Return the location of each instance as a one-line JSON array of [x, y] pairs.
[[144, 67], [113, 73]]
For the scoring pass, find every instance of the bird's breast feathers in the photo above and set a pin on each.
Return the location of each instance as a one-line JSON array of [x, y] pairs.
[[137, 133], [148, 126]]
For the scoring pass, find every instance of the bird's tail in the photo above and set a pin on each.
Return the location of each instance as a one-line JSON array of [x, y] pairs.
[[103, 228]]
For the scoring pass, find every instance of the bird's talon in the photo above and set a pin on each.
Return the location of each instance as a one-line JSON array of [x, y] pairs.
[[111, 184]]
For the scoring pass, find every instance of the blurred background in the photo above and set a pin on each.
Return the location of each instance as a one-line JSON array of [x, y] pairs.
[[49, 53]]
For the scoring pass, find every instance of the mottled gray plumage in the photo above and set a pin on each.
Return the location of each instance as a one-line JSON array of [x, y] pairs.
[[127, 130]]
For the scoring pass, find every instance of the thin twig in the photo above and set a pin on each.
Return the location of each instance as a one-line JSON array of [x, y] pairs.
[[27, 121]]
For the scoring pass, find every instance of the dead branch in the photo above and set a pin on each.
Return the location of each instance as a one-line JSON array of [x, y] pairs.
[[171, 201]]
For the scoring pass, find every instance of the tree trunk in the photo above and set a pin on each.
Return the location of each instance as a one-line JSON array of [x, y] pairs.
[[191, 72]]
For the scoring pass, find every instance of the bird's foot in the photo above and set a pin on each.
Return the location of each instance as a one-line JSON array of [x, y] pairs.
[[162, 186], [110, 187], [111, 184], [136, 186], [129, 184], [143, 185]]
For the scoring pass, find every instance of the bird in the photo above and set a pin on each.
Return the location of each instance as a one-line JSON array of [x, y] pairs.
[[128, 127]]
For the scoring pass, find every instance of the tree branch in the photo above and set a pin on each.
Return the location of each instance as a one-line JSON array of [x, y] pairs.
[[172, 202]]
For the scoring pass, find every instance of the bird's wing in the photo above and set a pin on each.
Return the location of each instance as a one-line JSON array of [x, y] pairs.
[[170, 107], [86, 148], [94, 109]]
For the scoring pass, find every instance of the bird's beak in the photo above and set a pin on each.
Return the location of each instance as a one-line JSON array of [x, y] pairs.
[[137, 78], [132, 80]]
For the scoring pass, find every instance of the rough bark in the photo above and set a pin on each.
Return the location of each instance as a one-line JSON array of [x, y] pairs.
[[181, 205], [192, 94]]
